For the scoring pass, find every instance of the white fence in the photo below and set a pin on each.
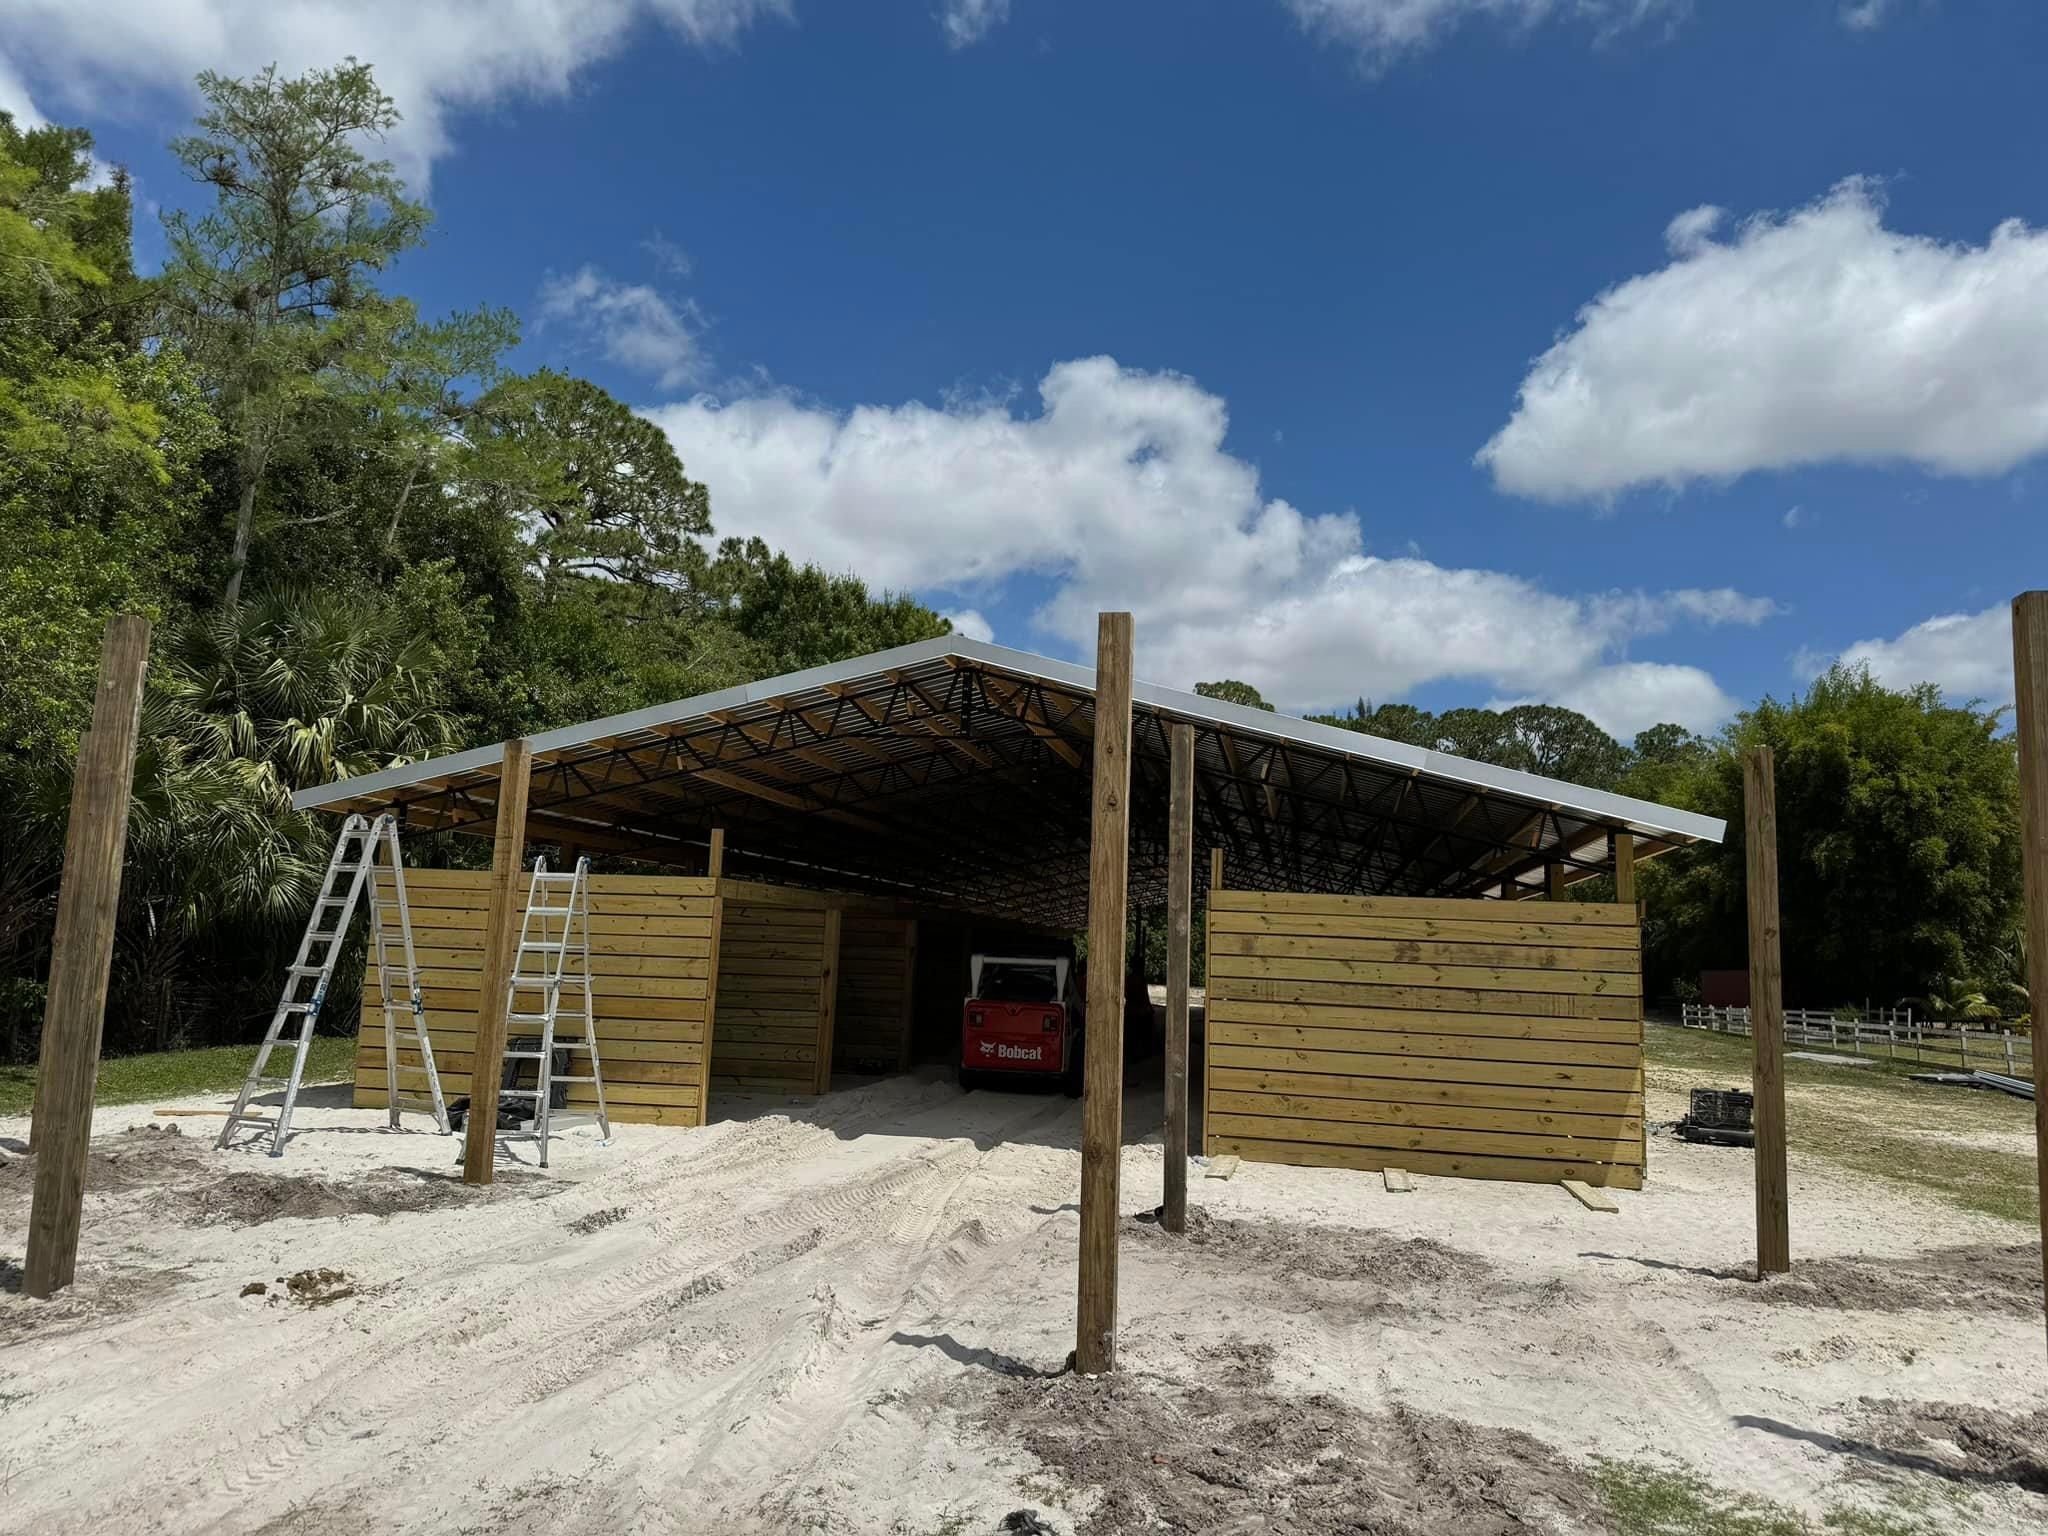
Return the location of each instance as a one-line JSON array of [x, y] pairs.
[[1892, 1033]]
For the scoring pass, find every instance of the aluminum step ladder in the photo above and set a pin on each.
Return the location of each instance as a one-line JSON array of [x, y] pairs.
[[351, 872], [553, 957]]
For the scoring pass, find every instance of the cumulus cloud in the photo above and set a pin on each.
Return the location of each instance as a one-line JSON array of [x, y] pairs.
[[1967, 655], [1384, 30], [434, 56], [631, 324], [967, 22], [1119, 493], [969, 624], [1818, 336], [1630, 696]]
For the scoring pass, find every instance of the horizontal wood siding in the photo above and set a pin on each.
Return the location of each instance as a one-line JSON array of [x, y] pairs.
[[1482, 1039], [877, 959], [772, 968], [651, 943]]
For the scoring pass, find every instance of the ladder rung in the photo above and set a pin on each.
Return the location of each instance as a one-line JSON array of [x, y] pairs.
[[549, 911], [563, 1077], [308, 970]]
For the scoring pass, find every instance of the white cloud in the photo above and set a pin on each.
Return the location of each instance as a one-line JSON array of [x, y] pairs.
[[15, 99], [1120, 492], [434, 56], [1383, 30], [1631, 696], [1691, 230], [969, 624], [1865, 15], [1795, 517], [1814, 337], [967, 22], [632, 324], [1968, 655]]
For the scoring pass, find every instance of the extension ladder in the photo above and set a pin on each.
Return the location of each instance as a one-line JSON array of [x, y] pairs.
[[540, 971], [351, 870]]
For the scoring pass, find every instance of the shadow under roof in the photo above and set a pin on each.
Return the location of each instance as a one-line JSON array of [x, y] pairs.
[[956, 774]]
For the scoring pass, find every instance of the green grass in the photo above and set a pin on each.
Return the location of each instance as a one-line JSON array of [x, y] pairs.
[[178, 1074], [1876, 1120], [1650, 1500]]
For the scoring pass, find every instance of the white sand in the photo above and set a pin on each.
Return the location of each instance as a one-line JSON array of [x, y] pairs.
[[776, 1333]]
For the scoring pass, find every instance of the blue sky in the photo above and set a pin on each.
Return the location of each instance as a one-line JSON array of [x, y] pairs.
[[1636, 354]]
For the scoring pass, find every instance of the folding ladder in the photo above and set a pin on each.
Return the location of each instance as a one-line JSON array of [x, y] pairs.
[[351, 870], [540, 972]]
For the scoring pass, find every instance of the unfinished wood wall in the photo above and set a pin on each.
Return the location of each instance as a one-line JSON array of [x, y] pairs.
[[651, 939], [777, 989], [1485, 1039], [877, 975]]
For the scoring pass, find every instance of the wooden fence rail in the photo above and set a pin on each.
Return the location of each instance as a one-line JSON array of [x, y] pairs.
[[1892, 1033]]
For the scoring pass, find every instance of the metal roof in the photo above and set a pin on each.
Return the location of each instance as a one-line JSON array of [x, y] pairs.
[[956, 772]]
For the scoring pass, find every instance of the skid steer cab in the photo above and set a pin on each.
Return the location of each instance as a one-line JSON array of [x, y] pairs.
[[1021, 1023]]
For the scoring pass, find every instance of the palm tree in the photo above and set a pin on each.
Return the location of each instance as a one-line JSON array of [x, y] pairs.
[[309, 686]]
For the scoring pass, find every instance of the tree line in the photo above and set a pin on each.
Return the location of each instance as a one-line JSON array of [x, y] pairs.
[[362, 536], [1898, 835]]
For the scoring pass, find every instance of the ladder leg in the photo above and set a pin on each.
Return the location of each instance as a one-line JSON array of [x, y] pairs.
[[283, 1128], [383, 957]]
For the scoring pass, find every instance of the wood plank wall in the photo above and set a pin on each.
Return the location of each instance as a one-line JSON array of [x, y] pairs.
[[1482, 1039], [877, 971], [776, 990], [650, 939]]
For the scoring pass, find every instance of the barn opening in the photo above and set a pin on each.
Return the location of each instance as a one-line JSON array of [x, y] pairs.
[[1396, 970]]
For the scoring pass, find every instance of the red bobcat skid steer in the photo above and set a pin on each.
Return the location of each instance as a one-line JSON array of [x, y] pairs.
[[1021, 1023]]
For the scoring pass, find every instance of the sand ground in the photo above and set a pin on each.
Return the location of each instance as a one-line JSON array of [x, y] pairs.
[[850, 1315]]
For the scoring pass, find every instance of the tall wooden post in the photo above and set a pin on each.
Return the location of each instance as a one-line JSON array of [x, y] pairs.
[[81, 954], [1554, 882], [1209, 983], [714, 870], [828, 998], [2030, 683], [1766, 1014], [1180, 896], [1102, 1106], [501, 937], [1625, 868]]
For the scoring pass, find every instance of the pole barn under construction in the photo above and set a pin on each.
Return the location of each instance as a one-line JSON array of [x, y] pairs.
[[1387, 985]]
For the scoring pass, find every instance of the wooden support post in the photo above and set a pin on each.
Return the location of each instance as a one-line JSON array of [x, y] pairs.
[[1625, 892], [1766, 1014], [81, 953], [1180, 895], [1554, 882], [714, 860], [501, 937], [907, 1042], [1102, 1107], [1208, 981], [828, 999], [2030, 725]]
